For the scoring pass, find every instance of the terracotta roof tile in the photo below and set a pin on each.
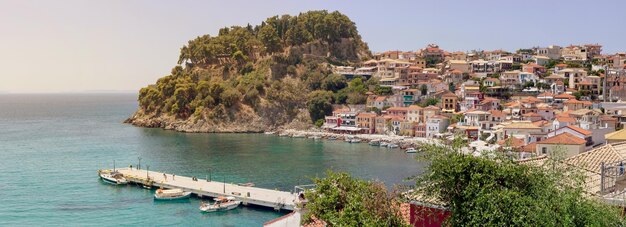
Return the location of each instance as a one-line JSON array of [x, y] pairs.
[[563, 138]]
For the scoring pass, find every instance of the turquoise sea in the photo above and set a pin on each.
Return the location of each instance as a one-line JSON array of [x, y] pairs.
[[52, 145]]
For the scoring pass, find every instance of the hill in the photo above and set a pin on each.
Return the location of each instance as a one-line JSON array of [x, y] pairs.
[[258, 78]]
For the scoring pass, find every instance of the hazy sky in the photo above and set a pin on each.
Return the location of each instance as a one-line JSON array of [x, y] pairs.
[[77, 46]]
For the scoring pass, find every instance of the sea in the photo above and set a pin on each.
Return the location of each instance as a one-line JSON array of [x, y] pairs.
[[51, 146]]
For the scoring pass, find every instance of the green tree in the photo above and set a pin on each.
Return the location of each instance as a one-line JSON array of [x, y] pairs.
[[269, 37], [320, 105], [424, 89], [496, 191], [380, 90], [341, 200], [334, 82], [429, 102]]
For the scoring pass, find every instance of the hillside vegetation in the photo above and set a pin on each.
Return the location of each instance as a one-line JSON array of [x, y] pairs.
[[257, 78]]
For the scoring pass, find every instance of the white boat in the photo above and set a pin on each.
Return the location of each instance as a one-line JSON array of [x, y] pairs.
[[315, 137], [298, 136], [355, 140], [332, 138], [384, 144], [269, 133], [113, 178], [249, 184], [283, 134], [392, 145], [221, 204], [172, 194], [411, 150], [374, 143]]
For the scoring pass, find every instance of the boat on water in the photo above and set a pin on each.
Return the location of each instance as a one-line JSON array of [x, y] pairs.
[[269, 133], [355, 140], [171, 194], [249, 184], [283, 134], [332, 138], [392, 145], [411, 150], [315, 137], [114, 177], [298, 136], [383, 144], [374, 143], [221, 204]]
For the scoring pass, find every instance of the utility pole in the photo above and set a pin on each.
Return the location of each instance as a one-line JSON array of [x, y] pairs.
[[139, 165], [147, 172], [224, 184]]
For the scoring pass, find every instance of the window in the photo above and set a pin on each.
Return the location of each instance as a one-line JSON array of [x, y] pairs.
[[544, 150]]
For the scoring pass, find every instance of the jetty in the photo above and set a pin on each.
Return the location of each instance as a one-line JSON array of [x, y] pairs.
[[278, 200]]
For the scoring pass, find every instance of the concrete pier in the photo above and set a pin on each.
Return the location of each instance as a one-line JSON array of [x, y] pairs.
[[247, 195]]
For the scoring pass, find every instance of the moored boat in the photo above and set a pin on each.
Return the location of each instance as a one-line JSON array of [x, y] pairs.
[[114, 177], [392, 145], [374, 143], [332, 138], [411, 150], [355, 140], [221, 204], [172, 194], [269, 133], [298, 136], [384, 144]]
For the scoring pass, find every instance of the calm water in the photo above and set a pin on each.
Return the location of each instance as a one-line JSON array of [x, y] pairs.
[[52, 145]]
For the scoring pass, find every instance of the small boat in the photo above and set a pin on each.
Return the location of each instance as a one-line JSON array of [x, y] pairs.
[[172, 194], [221, 204], [283, 134], [411, 150], [332, 138], [298, 136], [269, 133], [392, 145], [384, 144], [355, 140], [374, 143], [114, 177], [249, 184], [315, 137]]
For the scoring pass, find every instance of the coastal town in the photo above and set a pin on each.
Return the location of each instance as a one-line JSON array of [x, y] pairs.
[[529, 102]]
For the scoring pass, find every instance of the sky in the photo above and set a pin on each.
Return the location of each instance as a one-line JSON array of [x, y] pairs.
[[122, 45]]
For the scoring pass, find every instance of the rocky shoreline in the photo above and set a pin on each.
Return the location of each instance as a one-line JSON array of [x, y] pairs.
[[248, 123], [403, 142], [294, 129]]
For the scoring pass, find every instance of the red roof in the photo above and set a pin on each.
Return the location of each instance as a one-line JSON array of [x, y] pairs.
[[563, 138], [579, 130], [566, 119]]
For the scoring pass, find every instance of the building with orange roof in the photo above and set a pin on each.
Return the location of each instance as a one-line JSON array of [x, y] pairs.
[[415, 113], [397, 111], [381, 124], [533, 68], [573, 104], [459, 66], [366, 122], [430, 111], [531, 116], [574, 131], [560, 122], [564, 145]]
